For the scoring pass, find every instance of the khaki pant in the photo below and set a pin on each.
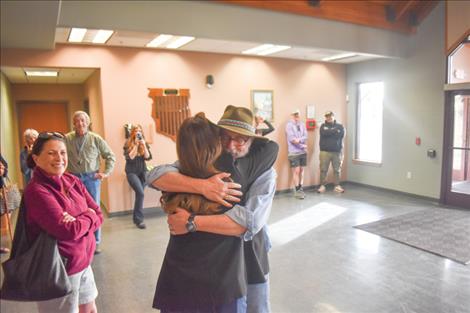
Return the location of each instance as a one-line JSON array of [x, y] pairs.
[[336, 160]]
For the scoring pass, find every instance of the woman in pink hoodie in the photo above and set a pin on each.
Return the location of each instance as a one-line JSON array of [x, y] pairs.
[[58, 203]]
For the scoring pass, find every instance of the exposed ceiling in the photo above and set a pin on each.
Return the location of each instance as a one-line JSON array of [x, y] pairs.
[[396, 15], [20, 20]]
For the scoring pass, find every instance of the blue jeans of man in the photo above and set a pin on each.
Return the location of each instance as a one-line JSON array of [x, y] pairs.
[[93, 186], [257, 298], [137, 183]]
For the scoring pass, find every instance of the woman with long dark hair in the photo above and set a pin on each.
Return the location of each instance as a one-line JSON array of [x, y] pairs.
[[201, 271]]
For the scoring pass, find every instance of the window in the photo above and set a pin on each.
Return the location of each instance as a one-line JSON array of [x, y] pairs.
[[369, 122]]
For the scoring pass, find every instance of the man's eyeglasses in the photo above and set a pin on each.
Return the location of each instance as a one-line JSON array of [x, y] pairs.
[[47, 135], [238, 140]]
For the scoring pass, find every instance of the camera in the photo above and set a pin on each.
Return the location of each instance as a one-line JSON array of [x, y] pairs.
[[139, 136]]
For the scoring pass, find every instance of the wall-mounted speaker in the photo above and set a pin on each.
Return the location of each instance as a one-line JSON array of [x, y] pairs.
[[209, 81]]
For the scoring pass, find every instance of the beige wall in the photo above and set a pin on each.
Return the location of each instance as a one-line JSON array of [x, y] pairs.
[[9, 142], [127, 73], [92, 91]]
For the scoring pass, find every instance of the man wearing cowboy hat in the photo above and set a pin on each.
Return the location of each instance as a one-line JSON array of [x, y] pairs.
[[248, 159]]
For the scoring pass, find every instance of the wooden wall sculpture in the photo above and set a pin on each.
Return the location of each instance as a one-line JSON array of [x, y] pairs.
[[169, 109]]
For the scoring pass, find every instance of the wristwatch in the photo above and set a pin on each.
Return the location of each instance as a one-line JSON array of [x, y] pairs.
[[190, 225]]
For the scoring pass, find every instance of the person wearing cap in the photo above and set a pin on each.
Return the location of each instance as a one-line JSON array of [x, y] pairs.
[[296, 134], [248, 159], [331, 150]]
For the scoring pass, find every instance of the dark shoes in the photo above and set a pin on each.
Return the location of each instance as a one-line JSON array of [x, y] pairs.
[[141, 225], [98, 250]]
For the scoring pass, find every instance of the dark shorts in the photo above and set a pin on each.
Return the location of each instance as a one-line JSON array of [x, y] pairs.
[[298, 160]]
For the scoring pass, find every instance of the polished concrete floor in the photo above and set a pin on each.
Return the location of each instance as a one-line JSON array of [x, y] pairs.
[[319, 262]]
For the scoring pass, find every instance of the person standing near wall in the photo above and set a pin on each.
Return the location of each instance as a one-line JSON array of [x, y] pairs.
[[331, 150], [296, 133], [263, 131], [85, 148], [30, 135], [136, 152]]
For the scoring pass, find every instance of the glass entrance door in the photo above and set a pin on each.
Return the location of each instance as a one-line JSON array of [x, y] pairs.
[[456, 165]]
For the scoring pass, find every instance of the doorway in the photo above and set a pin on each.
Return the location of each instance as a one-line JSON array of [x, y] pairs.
[[43, 116], [455, 187]]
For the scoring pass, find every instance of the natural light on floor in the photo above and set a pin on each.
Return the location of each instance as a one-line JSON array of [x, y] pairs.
[[296, 225]]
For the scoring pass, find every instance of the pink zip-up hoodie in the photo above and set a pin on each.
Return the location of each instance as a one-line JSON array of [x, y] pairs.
[[45, 204]]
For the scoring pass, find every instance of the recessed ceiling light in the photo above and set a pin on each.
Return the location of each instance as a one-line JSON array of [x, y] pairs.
[[181, 41], [274, 49], [77, 34], [339, 57], [265, 49], [102, 36], [257, 49], [42, 73], [159, 40]]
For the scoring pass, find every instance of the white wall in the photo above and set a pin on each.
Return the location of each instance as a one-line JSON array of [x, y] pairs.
[[413, 106]]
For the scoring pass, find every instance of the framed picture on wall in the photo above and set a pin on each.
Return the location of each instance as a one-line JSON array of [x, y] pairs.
[[262, 104]]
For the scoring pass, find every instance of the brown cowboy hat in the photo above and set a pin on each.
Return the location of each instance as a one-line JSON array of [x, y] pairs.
[[239, 120]]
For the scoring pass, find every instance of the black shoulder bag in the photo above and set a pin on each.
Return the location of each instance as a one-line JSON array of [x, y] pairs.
[[34, 271]]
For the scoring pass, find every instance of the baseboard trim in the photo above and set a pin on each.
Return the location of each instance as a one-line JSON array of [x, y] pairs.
[[152, 210], [158, 210], [436, 200], [346, 183]]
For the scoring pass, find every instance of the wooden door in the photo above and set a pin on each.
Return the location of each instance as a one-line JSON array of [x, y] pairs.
[[43, 116]]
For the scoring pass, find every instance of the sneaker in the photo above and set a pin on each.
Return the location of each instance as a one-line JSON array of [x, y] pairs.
[[141, 225], [321, 189], [339, 189], [300, 194], [97, 251]]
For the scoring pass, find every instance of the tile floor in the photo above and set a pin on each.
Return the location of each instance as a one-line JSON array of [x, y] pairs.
[[319, 262]]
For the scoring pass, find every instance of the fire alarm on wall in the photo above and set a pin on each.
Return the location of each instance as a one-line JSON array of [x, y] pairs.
[[418, 141]]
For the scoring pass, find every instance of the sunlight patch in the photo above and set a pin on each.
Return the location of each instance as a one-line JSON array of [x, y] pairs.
[[296, 225]]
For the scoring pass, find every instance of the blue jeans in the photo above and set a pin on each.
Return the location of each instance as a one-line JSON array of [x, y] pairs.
[[137, 183], [257, 299], [93, 186], [236, 306]]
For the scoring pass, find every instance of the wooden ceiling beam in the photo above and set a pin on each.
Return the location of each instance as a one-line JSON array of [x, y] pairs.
[[404, 8], [367, 13]]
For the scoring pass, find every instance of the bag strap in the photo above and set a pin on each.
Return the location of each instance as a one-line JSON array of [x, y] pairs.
[[20, 239]]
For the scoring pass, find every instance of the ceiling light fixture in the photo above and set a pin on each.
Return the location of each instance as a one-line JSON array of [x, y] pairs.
[[274, 49], [159, 40], [77, 34], [258, 49], [42, 73], [102, 36], [339, 57], [265, 49], [181, 41]]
